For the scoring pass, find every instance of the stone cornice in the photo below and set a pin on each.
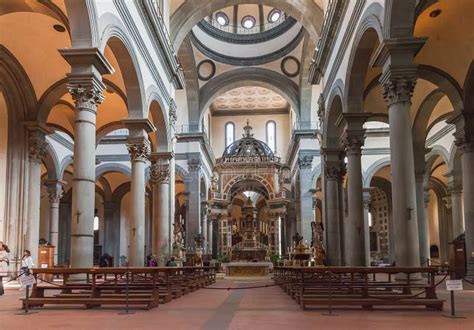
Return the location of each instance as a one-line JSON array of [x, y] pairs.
[[349, 31], [440, 134], [296, 136], [332, 26], [141, 46], [248, 61], [247, 38], [203, 140], [161, 42]]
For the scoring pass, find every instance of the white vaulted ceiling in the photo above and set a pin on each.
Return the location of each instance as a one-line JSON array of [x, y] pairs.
[[249, 98]]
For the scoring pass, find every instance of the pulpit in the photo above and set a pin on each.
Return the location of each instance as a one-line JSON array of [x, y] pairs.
[[46, 260]]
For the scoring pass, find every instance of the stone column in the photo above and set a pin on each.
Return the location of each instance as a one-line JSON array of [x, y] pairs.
[[209, 235], [55, 193], [366, 201], [423, 226], [396, 57], [353, 140], [464, 121], [204, 223], [86, 88], [306, 197], [160, 179], [455, 191], [334, 171], [112, 230], [194, 204], [398, 88], [139, 149], [37, 152]]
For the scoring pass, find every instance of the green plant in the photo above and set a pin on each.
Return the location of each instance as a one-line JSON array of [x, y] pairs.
[[275, 258]]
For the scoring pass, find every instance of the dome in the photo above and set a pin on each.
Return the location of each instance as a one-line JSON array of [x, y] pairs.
[[250, 147]]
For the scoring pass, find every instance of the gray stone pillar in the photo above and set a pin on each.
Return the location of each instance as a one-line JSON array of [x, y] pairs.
[[398, 87], [194, 204], [55, 193], [306, 198], [396, 57], [37, 152], [455, 191], [334, 171], [86, 88], [209, 235], [112, 230], [366, 201], [139, 149], [423, 226], [353, 140], [204, 223], [464, 122], [160, 179]]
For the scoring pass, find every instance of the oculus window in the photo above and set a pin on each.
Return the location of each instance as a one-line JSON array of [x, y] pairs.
[[248, 22], [222, 19], [274, 15]]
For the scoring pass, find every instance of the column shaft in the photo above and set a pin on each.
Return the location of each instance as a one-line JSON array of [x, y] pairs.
[[468, 192], [333, 232], [54, 194], [397, 92], [458, 221], [423, 227], [161, 218], [34, 194]]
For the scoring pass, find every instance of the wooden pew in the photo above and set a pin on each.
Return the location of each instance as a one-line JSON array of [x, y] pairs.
[[349, 286], [95, 287]]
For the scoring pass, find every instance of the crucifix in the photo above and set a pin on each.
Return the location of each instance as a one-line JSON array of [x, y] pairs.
[[409, 209], [77, 216]]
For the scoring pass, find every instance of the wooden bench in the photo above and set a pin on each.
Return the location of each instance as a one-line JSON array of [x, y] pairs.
[[95, 287], [349, 286]]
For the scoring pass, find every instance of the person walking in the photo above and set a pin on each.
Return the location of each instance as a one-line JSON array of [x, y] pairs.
[[4, 264]]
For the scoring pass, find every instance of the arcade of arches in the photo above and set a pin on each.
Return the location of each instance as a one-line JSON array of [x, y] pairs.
[[231, 128]]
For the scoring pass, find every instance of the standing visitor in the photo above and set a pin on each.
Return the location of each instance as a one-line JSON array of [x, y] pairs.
[[4, 263], [26, 263]]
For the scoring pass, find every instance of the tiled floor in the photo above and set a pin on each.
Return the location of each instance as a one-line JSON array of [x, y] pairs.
[[264, 308]]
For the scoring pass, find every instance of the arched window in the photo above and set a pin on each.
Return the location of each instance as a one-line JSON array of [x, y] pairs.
[[271, 135], [229, 133]]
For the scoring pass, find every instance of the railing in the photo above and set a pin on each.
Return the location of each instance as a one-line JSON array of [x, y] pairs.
[[238, 29], [251, 159]]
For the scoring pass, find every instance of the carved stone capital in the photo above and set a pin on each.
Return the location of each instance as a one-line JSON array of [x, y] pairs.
[[420, 175], [353, 142], [398, 89], [194, 164], [305, 162], [37, 149], [139, 149], [55, 194], [159, 173], [334, 172], [321, 108]]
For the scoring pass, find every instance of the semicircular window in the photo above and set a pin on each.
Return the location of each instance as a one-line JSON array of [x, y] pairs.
[[248, 22], [222, 19], [274, 15]]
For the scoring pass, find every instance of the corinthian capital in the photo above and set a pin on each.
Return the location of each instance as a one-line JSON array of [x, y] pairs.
[[159, 173], [139, 149], [37, 150], [398, 89], [334, 172], [86, 97], [353, 142]]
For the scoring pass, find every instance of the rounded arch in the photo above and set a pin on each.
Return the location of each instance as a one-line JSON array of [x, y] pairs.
[[83, 23], [248, 76], [115, 36], [335, 109], [367, 37], [469, 89], [179, 170], [190, 13], [108, 128], [315, 175], [374, 168], [436, 151], [264, 182], [160, 121], [111, 167]]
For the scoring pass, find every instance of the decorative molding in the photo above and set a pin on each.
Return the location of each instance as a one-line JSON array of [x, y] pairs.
[[139, 149], [159, 173], [249, 112], [349, 31], [286, 72], [253, 38], [161, 42], [439, 135], [140, 44], [114, 158], [248, 61], [325, 46], [213, 70]]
